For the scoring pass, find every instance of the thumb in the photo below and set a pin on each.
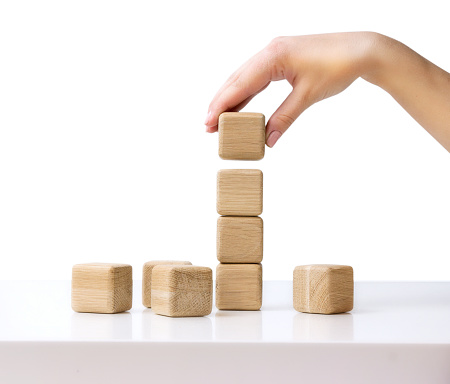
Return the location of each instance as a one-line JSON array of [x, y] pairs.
[[285, 115]]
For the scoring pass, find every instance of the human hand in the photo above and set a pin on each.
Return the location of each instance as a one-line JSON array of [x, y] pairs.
[[317, 67]]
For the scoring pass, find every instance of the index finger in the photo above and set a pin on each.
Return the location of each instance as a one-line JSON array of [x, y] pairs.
[[240, 88]]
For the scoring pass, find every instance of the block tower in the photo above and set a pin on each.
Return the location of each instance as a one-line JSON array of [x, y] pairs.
[[240, 202]]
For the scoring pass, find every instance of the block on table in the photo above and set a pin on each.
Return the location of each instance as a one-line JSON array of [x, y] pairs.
[[239, 287], [242, 136], [182, 290], [240, 192], [323, 288], [147, 278], [239, 239], [102, 287]]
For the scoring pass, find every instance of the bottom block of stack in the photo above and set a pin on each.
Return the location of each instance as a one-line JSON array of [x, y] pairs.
[[239, 287]]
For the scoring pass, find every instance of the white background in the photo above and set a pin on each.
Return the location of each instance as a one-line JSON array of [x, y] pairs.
[[103, 154]]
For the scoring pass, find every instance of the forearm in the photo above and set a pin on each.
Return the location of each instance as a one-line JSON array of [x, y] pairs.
[[419, 86]]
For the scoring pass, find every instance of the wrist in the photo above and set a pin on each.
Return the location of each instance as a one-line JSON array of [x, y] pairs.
[[378, 54]]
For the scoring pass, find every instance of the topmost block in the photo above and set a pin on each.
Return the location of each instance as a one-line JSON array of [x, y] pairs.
[[241, 136]]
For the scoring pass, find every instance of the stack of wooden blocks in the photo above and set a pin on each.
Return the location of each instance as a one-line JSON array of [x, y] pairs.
[[240, 202], [178, 289]]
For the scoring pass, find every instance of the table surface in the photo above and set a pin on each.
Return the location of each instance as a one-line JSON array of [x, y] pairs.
[[384, 312]]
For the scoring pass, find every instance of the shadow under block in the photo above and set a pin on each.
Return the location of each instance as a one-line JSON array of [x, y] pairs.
[[182, 290], [242, 136], [239, 239], [323, 288], [240, 192], [147, 278], [102, 287], [239, 287]]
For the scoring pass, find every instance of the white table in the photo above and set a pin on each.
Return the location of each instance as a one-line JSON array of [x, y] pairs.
[[397, 333]]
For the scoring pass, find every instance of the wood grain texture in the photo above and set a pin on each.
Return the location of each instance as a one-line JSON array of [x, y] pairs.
[[240, 192], [239, 240], [147, 278], [239, 287], [323, 288], [102, 287], [182, 290], [242, 136]]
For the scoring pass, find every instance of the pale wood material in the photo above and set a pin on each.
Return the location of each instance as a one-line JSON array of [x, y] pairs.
[[240, 192], [147, 278], [102, 287], [323, 288], [242, 136], [182, 290], [239, 287], [239, 239]]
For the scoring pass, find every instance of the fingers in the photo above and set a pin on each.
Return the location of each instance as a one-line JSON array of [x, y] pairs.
[[245, 84], [237, 108], [286, 114]]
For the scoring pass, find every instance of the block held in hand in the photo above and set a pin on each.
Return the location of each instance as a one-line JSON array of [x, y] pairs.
[[241, 136]]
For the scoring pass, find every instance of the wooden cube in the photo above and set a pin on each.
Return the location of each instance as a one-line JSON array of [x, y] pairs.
[[239, 239], [242, 136], [147, 278], [239, 287], [323, 288], [181, 290], [102, 287], [239, 192]]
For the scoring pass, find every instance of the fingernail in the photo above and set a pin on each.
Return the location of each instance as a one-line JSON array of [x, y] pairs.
[[273, 138], [208, 116]]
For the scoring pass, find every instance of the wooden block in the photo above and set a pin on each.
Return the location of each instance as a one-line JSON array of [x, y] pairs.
[[102, 287], [239, 287], [323, 288], [239, 192], [181, 290], [239, 239], [147, 278], [242, 136]]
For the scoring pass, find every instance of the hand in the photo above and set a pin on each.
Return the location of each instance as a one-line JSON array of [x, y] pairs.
[[317, 67]]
